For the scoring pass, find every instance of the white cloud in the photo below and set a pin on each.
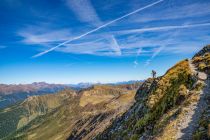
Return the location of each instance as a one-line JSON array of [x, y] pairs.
[[45, 36], [104, 47], [115, 46], [85, 11], [162, 47], [139, 51], [164, 43], [147, 62], [110, 44], [174, 11], [104, 44], [98, 28], [161, 28]]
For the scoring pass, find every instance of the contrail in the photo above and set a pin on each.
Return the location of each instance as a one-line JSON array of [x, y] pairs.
[[163, 28], [96, 29], [115, 46], [161, 48]]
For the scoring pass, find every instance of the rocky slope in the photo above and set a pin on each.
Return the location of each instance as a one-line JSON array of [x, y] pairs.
[[173, 106], [66, 115]]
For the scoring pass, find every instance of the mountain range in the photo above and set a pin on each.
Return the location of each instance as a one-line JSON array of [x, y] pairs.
[[13, 93], [10, 94]]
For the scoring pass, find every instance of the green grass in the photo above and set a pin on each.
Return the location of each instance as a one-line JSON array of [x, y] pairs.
[[9, 121]]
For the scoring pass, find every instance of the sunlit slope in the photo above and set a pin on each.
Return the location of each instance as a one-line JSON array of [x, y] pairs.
[[19, 115], [72, 115], [170, 106], [154, 99]]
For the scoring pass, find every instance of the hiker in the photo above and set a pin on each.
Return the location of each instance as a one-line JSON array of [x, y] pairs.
[[153, 74]]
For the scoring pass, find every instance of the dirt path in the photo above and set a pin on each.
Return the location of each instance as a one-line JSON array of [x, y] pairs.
[[189, 122], [200, 75]]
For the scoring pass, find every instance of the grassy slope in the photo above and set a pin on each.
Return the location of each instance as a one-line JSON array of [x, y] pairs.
[[21, 114], [81, 116]]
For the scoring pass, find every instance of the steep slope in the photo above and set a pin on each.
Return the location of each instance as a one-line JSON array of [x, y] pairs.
[[68, 115], [168, 107], [19, 115]]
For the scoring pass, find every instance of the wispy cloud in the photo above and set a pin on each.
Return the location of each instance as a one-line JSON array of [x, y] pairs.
[[104, 46], [174, 11], [43, 37], [98, 28], [137, 55], [85, 11], [155, 53], [2, 46], [43, 34], [115, 46], [113, 43], [162, 28], [162, 47], [135, 63]]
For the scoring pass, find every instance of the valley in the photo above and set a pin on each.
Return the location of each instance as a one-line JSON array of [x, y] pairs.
[[67, 114]]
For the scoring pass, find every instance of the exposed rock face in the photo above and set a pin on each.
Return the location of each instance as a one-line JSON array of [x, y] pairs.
[[202, 60], [147, 87], [119, 128], [205, 49]]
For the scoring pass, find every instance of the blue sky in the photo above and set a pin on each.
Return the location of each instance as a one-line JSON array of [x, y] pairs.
[[72, 41]]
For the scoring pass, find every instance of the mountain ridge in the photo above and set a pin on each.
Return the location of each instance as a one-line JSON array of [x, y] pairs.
[[163, 103]]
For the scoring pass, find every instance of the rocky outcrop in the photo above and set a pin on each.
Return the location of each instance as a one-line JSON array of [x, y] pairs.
[[205, 49], [119, 128], [147, 87]]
